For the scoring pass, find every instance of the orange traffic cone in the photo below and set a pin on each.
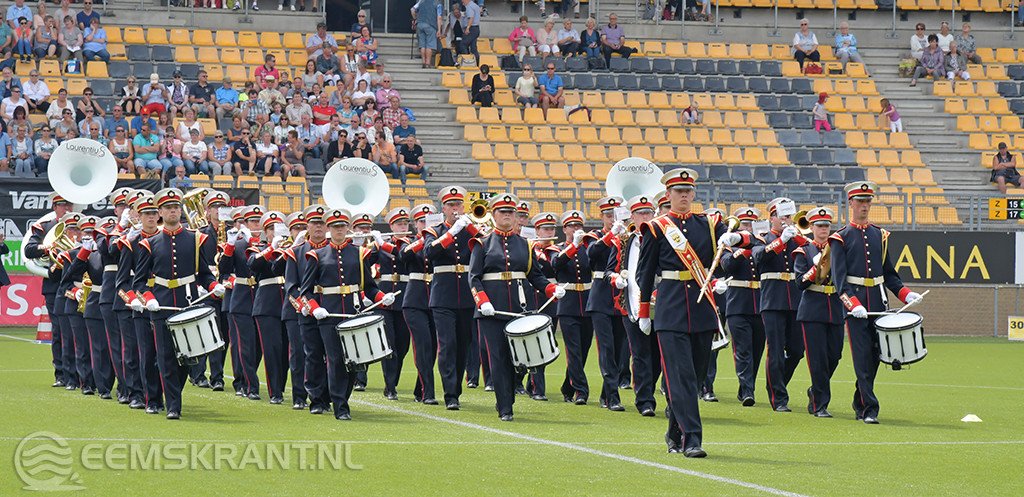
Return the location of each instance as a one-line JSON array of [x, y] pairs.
[[44, 330]]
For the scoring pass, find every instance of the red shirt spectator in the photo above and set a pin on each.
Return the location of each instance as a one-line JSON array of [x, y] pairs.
[[323, 111], [268, 68]]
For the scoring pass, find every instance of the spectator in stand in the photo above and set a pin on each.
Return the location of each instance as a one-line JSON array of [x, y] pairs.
[[65, 10], [219, 156], [24, 35], [378, 132], [255, 107], [226, 99], [355, 126], [805, 44], [36, 92], [271, 93], [453, 28], [932, 62], [552, 89], [194, 153], [384, 94], [44, 43], [956, 63], [316, 42], [590, 40], [523, 39], [691, 114], [329, 67], [361, 147], [846, 45], [141, 119], [5, 154], [1004, 169], [292, 154], [525, 89], [8, 81], [20, 119], [366, 47], [269, 68], [17, 11], [547, 39], [39, 18], [393, 113], [131, 100], [170, 150], [411, 159], [155, 96], [339, 148], [890, 115], [613, 40], [309, 135], [427, 28], [188, 124], [12, 102], [55, 110], [482, 89], [362, 96], [22, 152], [385, 156], [245, 154], [71, 40], [263, 123], [470, 28], [966, 44], [179, 100], [85, 17], [201, 96], [357, 27], [280, 133], [267, 154], [820, 114], [87, 102], [180, 180], [362, 74], [329, 133], [310, 76], [7, 41], [234, 133], [66, 125], [44, 147], [114, 121], [944, 36], [121, 148], [147, 148], [90, 120], [164, 121], [568, 39], [322, 111], [918, 41], [403, 129], [95, 46], [298, 108]]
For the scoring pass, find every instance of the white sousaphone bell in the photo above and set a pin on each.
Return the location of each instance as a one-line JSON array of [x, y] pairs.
[[356, 185]]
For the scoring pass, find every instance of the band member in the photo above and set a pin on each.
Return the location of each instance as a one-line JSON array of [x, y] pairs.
[[500, 266], [238, 384], [416, 310], [267, 303], [820, 313], [707, 388], [35, 249], [544, 253], [679, 246], [451, 301], [607, 319], [315, 365], [234, 262], [362, 236], [643, 346], [394, 278], [109, 230], [70, 285], [170, 272], [743, 308], [522, 219], [342, 275], [120, 246], [572, 271], [296, 222], [663, 204], [779, 300], [859, 278], [216, 230]]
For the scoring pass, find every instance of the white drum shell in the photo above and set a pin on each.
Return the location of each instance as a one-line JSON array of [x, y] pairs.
[[901, 339], [194, 332], [531, 341], [363, 340]]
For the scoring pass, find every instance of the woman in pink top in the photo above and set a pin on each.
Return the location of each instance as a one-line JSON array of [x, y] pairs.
[[523, 39]]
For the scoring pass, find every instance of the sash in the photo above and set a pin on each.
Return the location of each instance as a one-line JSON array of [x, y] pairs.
[[689, 258]]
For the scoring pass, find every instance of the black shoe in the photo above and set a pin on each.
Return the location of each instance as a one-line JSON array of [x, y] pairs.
[[647, 412], [471, 384], [173, 415], [695, 452], [58, 383], [70, 387], [709, 397], [452, 405], [674, 447], [105, 396], [870, 420], [520, 391], [616, 407], [217, 386], [316, 410], [430, 402], [87, 391], [151, 410], [239, 393], [360, 387], [390, 395], [254, 396], [747, 401], [538, 396], [202, 383], [858, 412], [488, 388], [344, 417], [823, 414], [505, 417], [783, 408], [298, 406], [603, 404], [580, 400], [276, 400], [136, 404], [625, 386], [122, 399]]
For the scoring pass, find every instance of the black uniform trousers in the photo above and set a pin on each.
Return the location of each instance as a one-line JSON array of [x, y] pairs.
[[492, 331], [785, 347], [66, 342], [99, 356], [55, 341], [172, 374], [823, 344], [709, 381], [481, 351], [454, 344], [296, 360], [217, 357], [577, 333], [130, 355], [315, 379], [608, 331], [270, 330], [646, 363], [114, 347], [747, 348], [684, 359], [476, 358], [339, 379], [148, 369], [623, 357], [248, 351], [83, 358], [397, 331], [234, 343], [864, 351], [423, 339]]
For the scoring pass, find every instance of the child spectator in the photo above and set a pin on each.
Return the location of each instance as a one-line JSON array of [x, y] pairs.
[[889, 113], [691, 114], [820, 114]]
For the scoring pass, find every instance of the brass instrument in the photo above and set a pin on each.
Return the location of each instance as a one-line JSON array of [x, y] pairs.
[[286, 243], [479, 215], [732, 223], [824, 265], [195, 211], [86, 289], [58, 240], [390, 233], [801, 223]]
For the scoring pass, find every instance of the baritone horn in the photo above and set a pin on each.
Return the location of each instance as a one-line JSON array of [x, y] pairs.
[[195, 210], [802, 224]]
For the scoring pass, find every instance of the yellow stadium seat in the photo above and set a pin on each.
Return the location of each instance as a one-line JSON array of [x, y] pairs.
[[225, 38], [237, 73], [653, 49], [202, 38], [923, 177], [113, 33], [512, 116], [680, 100], [677, 136], [207, 55], [658, 100], [97, 69], [687, 154], [889, 158], [744, 138], [157, 36], [54, 84], [574, 153], [231, 56], [497, 134], [668, 118], [712, 119], [989, 123], [618, 152], [664, 154], [867, 158], [483, 45], [133, 35], [615, 100], [49, 67], [696, 49], [900, 176], [878, 175], [760, 51], [675, 49], [700, 136], [791, 69], [721, 137], [540, 134], [185, 55], [293, 40], [746, 101], [710, 155], [986, 89], [248, 39], [957, 105], [512, 170], [855, 140], [867, 122], [180, 36], [1010, 124], [632, 136], [482, 151], [270, 39], [559, 171], [646, 117], [754, 156], [738, 51], [844, 121], [507, 151], [466, 115], [724, 101], [595, 153], [474, 133], [215, 72], [252, 57], [856, 70], [877, 139], [978, 141], [567, 134], [451, 79], [489, 115], [718, 51], [535, 170], [502, 46]]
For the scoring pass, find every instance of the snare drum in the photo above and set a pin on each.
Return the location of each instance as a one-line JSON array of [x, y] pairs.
[[363, 340], [531, 340], [194, 332], [900, 339]]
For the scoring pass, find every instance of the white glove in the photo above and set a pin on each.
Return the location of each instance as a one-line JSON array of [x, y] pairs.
[[487, 309], [621, 282], [377, 238], [78, 295], [817, 258], [730, 239], [304, 310], [913, 297], [276, 242], [459, 225], [137, 306], [559, 292], [645, 325], [89, 244], [367, 302], [788, 233], [358, 239], [126, 219], [320, 313], [133, 233], [720, 286], [577, 237], [388, 299], [218, 290], [859, 312], [618, 228], [152, 305], [232, 237]]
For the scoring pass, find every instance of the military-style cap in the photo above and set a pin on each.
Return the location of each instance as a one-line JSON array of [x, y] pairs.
[[216, 198], [135, 195], [609, 202], [362, 220], [144, 203], [295, 220], [680, 178], [523, 207], [746, 213], [168, 196], [821, 215], [88, 223], [119, 196], [860, 189], [449, 193], [774, 204], [338, 216], [237, 213], [252, 212], [422, 210], [640, 202], [71, 219], [544, 220], [315, 213], [663, 200], [108, 222], [57, 199], [397, 214], [572, 217], [503, 201], [268, 219], [714, 210]]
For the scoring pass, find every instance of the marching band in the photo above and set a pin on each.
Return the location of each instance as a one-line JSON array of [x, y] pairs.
[[660, 287]]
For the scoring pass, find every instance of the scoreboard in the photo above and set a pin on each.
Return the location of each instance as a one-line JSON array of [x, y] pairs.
[[1005, 208]]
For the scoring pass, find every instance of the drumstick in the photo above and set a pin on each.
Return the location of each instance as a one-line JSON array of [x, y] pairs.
[[194, 302], [166, 308], [375, 304], [509, 314], [550, 300], [901, 309], [342, 316]]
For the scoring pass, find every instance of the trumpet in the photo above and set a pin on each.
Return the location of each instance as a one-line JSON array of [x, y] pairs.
[[368, 235], [801, 223], [824, 265], [478, 213]]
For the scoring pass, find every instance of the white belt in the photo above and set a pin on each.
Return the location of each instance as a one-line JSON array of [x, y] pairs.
[[744, 284], [279, 280], [110, 267], [504, 276], [173, 282], [868, 282], [826, 289], [778, 276], [395, 278], [337, 290], [577, 287], [458, 268], [420, 277], [250, 281], [598, 275], [78, 284], [676, 275], [96, 288], [553, 280]]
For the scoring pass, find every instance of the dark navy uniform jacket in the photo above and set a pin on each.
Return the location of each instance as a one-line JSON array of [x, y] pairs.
[[71, 277], [417, 291], [393, 274], [777, 257], [602, 294], [172, 255], [32, 251], [334, 266], [738, 263], [618, 258], [127, 264], [819, 303], [295, 262], [677, 300], [109, 255], [85, 262], [573, 266], [544, 257], [449, 289], [235, 261], [859, 252], [506, 252], [264, 268], [4, 279]]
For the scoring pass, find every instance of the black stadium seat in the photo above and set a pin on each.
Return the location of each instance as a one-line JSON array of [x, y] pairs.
[[606, 82], [791, 103], [1017, 106], [1015, 71], [118, 69], [809, 175], [102, 87], [584, 81], [714, 83], [628, 82], [727, 68], [189, 71], [650, 83], [854, 174], [845, 157], [787, 174], [143, 70], [685, 66], [567, 80], [810, 138], [833, 139], [671, 83], [742, 173], [803, 86], [736, 84], [758, 85], [801, 121], [558, 62], [138, 53], [706, 66], [640, 64], [822, 157], [799, 156], [662, 66], [166, 70], [771, 68], [832, 175], [535, 62], [1009, 89], [778, 120], [786, 137], [163, 53], [719, 173], [618, 64], [779, 85], [693, 83], [749, 68], [764, 174], [765, 102], [577, 64]]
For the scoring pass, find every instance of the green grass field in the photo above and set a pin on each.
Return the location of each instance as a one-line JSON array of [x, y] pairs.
[[920, 448]]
